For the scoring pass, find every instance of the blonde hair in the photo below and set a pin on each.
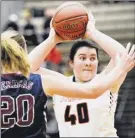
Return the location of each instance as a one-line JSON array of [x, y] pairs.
[[13, 57], [16, 36]]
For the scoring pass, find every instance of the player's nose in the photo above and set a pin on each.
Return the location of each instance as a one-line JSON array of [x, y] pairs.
[[88, 62]]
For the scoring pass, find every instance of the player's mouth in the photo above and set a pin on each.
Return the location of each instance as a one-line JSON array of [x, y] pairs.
[[87, 69]]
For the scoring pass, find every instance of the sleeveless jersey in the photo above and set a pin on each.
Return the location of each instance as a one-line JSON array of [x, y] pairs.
[[22, 106], [86, 117]]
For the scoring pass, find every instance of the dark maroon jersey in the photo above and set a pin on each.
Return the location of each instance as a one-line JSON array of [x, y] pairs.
[[22, 106]]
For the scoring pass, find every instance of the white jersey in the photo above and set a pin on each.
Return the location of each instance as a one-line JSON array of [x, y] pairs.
[[86, 117]]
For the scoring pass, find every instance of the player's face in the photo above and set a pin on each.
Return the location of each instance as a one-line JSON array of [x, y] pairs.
[[85, 64]]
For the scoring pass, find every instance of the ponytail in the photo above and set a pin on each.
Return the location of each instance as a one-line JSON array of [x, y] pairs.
[[13, 57]]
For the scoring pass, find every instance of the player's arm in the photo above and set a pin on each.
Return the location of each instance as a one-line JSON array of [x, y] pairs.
[[116, 86], [60, 86], [44, 71], [38, 54], [108, 44]]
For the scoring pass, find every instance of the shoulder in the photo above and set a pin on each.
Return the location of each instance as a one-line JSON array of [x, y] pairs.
[[34, 77], [70, 78]]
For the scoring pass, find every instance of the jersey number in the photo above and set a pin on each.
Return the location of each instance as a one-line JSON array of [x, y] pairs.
[[82, 113], [24, 106]]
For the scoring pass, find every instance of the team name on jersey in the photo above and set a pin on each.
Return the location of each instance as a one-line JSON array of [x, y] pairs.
[[16, 84], [64, 99]]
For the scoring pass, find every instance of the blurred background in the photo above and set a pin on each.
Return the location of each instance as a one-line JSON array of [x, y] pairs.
[[114, 18]]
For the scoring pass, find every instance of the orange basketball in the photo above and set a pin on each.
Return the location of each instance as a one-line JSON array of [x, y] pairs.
[[70, 20]]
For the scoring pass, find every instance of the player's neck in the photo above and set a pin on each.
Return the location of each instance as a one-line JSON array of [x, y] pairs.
[[75, 79]]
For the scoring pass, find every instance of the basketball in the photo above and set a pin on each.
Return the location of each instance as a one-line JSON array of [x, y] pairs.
[[70, 20]]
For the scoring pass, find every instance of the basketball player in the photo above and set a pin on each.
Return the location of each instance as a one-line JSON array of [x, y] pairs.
[[92, 117], [70, 124], [86, 117], [23, 94]]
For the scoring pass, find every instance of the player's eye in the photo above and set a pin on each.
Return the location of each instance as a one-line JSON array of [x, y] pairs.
[[82, 58], [93, 58]]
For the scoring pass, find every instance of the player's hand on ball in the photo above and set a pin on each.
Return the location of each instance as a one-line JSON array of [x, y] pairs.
[[90, 26], [56, 38], [53, 35]]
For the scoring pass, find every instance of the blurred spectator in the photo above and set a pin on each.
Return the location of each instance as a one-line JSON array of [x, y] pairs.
[[30, 30], [48, 14], [12, 23], [54, 56], [37, 12], [46, 28], [53, 60]]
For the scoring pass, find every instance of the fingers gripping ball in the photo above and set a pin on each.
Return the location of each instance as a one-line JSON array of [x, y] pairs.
[[70, 20]]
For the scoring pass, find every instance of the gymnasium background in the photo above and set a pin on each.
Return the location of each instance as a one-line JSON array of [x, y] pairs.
[[114, 18]]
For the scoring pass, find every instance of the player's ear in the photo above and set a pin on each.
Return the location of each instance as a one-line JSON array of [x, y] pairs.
[[71, 64]]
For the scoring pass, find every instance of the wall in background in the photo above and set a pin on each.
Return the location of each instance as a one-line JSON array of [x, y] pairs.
[[10, 7]]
